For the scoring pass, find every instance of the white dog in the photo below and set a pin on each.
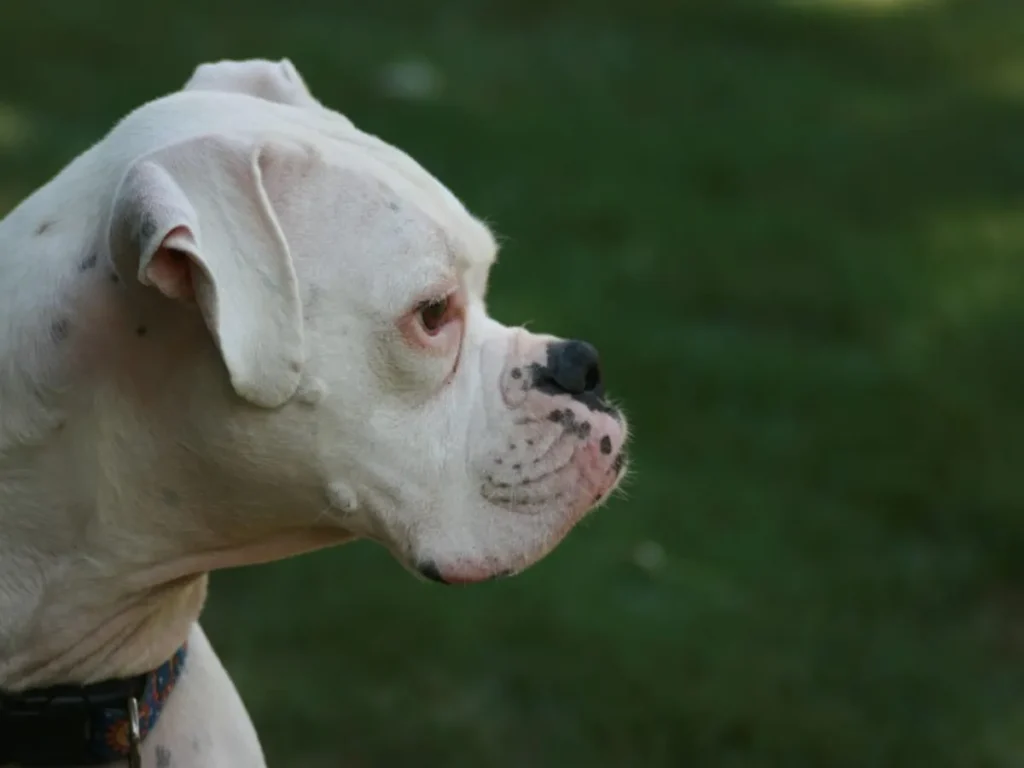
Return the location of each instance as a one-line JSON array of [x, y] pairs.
[[234, 330]]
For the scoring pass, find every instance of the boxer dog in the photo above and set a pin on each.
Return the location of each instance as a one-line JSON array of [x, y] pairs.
[[237, 329]]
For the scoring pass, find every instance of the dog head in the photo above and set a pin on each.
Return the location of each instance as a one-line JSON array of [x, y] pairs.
[[328, 364]]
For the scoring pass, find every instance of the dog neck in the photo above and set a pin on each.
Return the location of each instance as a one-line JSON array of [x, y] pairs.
[[93, 590], [71, 609], [77, 639], [62, 626]]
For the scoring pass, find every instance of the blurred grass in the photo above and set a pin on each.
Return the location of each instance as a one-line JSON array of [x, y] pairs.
[[794, 229]]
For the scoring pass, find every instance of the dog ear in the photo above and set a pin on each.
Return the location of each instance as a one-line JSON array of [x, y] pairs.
[[277, 81], [195, 222]]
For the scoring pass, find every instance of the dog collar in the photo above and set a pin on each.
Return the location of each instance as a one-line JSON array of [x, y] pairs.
[[85, 725]]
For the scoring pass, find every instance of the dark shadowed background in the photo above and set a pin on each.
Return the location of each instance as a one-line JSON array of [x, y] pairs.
[[796, 232]]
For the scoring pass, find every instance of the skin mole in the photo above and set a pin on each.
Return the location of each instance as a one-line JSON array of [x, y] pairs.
[[580, 429], [147, 230], [88, 262], [618, 462], [59, 330]]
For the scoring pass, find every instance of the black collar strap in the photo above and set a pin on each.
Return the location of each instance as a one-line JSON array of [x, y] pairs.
[[83, 725]]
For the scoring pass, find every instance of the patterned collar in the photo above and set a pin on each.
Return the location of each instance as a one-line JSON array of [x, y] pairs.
[[83, 725]]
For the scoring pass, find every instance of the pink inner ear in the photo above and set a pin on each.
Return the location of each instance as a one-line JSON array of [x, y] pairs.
[[170, 269], [169, 272]]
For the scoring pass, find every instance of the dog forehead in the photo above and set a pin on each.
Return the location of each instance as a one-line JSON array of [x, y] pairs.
[[357, 232], [415, 227]]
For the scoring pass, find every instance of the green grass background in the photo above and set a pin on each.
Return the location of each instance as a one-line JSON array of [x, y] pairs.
[[796, 232]]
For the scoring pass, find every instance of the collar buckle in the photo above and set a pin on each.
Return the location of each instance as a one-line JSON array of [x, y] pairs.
[[134, 734]]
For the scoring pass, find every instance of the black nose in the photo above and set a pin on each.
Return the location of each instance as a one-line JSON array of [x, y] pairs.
[[573, 366]]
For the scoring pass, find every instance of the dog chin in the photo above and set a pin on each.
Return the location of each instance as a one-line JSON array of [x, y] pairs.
[[464, 571]]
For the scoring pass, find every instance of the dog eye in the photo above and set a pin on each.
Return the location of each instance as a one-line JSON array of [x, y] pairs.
[[435, 314]]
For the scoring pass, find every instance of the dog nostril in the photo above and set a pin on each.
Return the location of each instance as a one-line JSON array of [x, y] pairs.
[[574, 366]]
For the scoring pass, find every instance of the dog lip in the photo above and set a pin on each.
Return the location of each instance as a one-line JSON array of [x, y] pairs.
[[429, 570]]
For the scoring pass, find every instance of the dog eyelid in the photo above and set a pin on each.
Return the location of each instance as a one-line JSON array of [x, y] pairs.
[[430, 324], [439, 291]]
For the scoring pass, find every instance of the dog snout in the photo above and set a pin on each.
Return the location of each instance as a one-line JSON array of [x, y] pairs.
[[573, 368]]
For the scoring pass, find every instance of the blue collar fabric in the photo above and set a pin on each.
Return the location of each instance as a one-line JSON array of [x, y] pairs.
[[83, 725]]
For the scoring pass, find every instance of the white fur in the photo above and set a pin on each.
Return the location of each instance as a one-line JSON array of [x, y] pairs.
[[149, 434]]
